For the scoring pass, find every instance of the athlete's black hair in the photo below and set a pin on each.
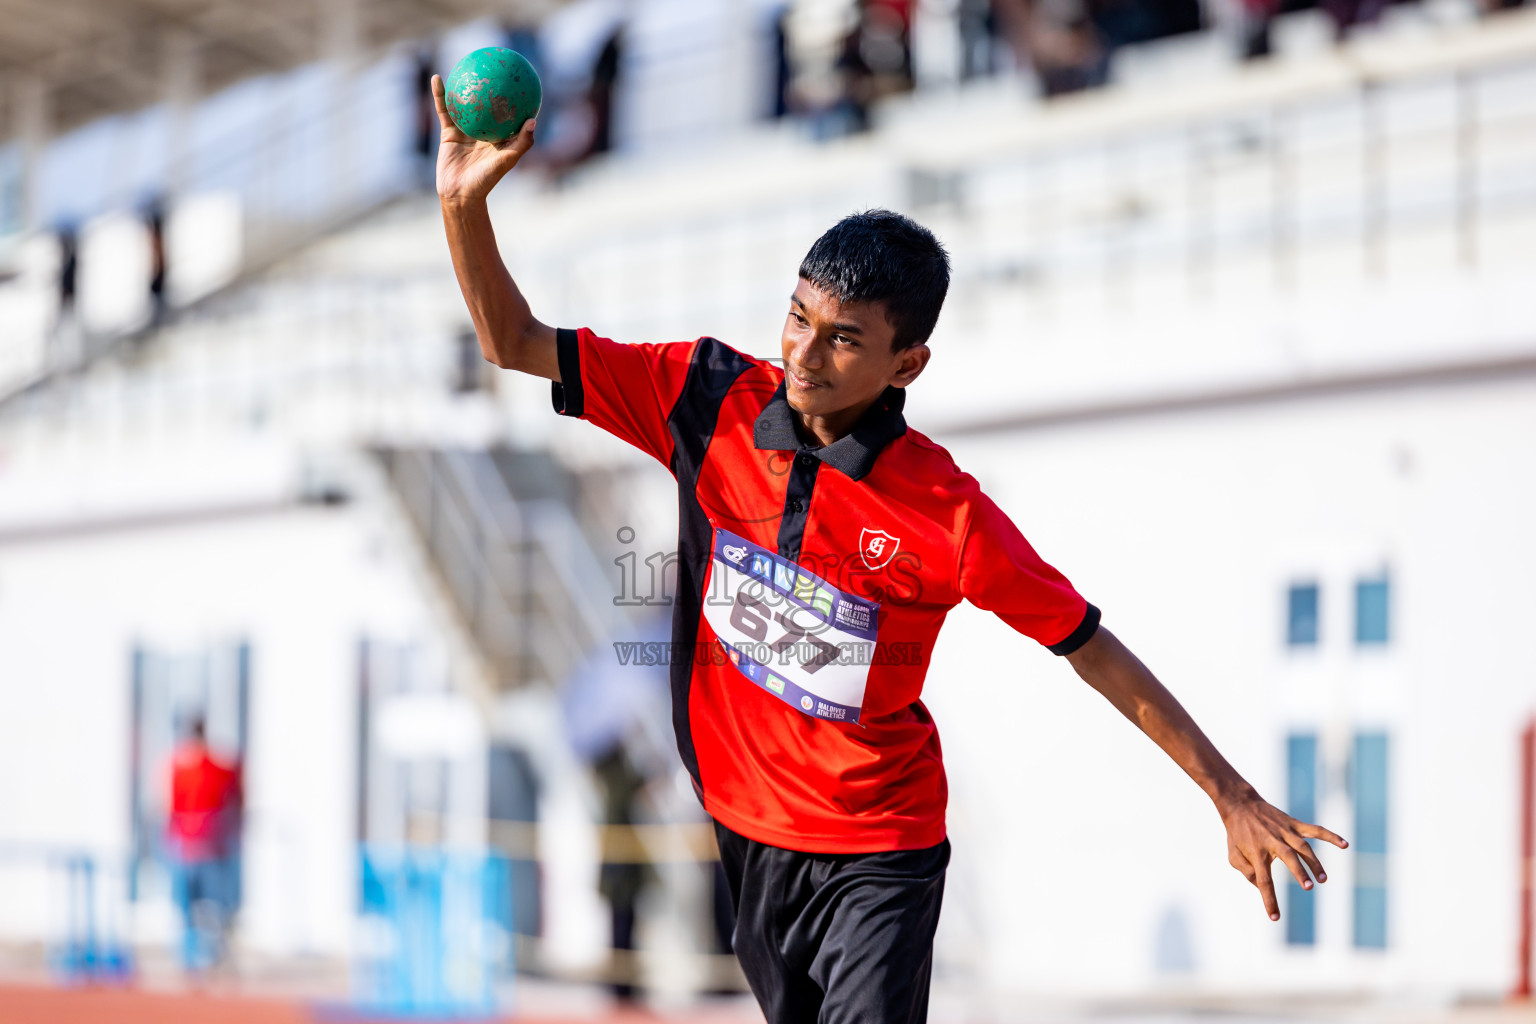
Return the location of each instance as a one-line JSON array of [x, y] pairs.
[[880, 256]]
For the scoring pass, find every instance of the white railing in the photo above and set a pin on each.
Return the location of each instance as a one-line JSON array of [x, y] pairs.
[[322, 148], [1394, 162], [521, 574], [1383, 160]]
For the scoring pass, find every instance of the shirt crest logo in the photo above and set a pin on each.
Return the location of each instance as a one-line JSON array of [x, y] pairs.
[[876, 547]]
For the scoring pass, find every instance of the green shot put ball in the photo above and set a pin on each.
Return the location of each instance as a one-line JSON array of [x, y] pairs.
[[491, 92]]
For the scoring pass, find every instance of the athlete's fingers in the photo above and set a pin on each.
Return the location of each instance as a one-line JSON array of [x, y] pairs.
[[1318, 832], [1308, 856], [1266, 886], [451, 132], [440, 100], [512, 149], [1287, 856]]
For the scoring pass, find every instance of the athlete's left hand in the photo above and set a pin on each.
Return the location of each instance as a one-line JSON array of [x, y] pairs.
[[1259, 833]]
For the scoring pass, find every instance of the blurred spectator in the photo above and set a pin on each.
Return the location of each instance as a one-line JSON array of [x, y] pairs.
[[617, 718], [203, 837], [427, 127], [69, 270], [884, 43], [1173, 17], [1258, 20], [1069, 43], [849, 111], [1347, 14], [605, 76], [1056, 39], [65, 343], [783, 74], [981, 39], [622, 879], [841, 56], [156, 224], [583, 126], [817, 34]]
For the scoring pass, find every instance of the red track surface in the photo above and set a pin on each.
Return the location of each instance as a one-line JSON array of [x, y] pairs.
[[39, 1005], [125, 1006]]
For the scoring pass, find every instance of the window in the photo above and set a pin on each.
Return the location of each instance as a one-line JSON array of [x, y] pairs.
[[1368, 769], [1372, 605], [1301, 802], [1301, 615]]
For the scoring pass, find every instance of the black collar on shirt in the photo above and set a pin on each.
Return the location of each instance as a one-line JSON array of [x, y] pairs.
[[854, 453]]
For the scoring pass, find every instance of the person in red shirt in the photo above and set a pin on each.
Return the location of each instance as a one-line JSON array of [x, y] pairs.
[[202, 833], [821, 543]]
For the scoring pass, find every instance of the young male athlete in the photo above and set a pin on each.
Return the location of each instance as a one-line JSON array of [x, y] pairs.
[[821, 543]]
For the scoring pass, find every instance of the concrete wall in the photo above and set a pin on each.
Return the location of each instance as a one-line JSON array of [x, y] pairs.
[[1075, 838], [302, 584]]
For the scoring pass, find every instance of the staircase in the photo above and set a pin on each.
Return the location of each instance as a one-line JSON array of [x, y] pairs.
[[501, 534]]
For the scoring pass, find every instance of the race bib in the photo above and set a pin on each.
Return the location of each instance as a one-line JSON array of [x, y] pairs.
[[790, 631]]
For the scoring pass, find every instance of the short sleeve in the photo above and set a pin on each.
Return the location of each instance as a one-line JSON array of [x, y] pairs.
[[1001, 573], [628, 390]]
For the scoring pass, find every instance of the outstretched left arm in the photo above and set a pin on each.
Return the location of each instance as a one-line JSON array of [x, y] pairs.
[[1258, 833]]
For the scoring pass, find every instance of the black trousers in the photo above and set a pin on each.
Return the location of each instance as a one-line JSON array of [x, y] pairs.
[[835, 938]]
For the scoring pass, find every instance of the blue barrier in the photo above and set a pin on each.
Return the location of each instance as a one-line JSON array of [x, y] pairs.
[[88, 951], [434, 935]]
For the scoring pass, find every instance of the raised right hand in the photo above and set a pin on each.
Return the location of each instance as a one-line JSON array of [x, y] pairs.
[[468, 169]]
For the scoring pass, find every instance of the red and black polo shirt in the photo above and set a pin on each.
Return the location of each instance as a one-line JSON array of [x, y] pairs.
[[811, 583]]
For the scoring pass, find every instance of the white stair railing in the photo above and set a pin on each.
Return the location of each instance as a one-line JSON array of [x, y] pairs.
[[522, 575]]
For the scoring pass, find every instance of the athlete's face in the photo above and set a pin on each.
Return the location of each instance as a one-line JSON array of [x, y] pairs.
[[838, 359]]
